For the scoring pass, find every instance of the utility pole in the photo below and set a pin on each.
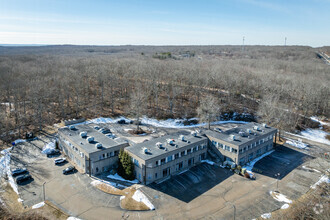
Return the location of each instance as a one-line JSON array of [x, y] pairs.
[[278, 176]]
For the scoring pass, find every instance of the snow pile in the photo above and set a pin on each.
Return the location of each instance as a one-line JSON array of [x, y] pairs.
[[98, 182], [266, 215], [250, 165], [140, 197], [298, 144], [316, 135], [122, 197], [280, 197], [285, 206], [314, 118], [101, 120], [18, 141], [5, 168], [48, 148], [311, 169], [207, 161], [73, 218], [117, 177], [20, 200], [39, 205], [323, 179]]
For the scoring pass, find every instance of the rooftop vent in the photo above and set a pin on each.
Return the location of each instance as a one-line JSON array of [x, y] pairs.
[[256, 128], [264, 125], [83, 134], [145, 150], [182, 138], [242, 133], [170, 141], [232, 137], [249, 131], [194, 133], [90, 139], [159, 145], [98, 145], [72, 127]]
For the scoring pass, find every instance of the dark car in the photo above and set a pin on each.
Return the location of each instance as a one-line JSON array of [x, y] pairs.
[[54, 152], [59, 161], [105, 131], [18, 171], [23, 178], [121, 121], [69, 169]]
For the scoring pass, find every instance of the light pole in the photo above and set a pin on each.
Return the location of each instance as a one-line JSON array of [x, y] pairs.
[[277, 176], [234, 209], [43, 190]]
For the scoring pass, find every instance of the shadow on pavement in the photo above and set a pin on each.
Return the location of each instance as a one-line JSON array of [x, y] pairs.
[[282, 161], [192, 183]]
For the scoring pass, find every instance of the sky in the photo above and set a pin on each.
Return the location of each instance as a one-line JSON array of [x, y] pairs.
[[170, 22]]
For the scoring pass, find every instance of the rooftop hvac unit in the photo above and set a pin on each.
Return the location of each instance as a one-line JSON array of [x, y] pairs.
[[72, 127], [242, 133], [182, 138], [90, 139], [232, 137], [159, 145], [249, 131], [264, 125], [98, 145], [83, 134], [145, 150], [170, 141], [256, 128], [194, 133]]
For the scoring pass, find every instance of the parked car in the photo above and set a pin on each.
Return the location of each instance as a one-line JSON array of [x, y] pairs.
[[121, 121], [69, 169], [96, 127], [22, 178], [111, 135], [18, 171], [54, 152], [59, 161]]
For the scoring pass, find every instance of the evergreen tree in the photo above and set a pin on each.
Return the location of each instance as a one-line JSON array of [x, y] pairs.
[[125, 165]]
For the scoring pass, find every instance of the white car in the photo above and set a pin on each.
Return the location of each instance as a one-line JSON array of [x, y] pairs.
[[59, 161]]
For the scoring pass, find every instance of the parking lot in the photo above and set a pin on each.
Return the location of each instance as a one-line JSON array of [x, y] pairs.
[[204, 191]]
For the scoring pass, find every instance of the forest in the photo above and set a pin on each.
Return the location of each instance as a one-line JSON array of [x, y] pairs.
[[42, 85]]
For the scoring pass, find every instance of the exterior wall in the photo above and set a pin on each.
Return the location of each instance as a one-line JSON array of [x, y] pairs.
[[173, 165], [100, 161], [75, 153], [241, 154]]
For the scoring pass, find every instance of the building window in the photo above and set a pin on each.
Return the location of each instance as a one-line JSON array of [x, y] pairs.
[[156, 175], [258, 152], [162, 161], [136, 162], [97, 169], [108, 154], [149, 176], [227, 148], [234, 150], [190, 161], [183, 153], [176, 156], [242, 160], [103, 155], [202, 156], [178, 166], [100, 157], [157, 163], [116, 153], [188, 151], [169, 158], [165, 172]]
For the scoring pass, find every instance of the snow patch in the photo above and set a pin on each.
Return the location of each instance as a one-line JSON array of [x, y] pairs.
[[20, 200], [298, 144], [280, 197], [48, 148], [314, 118], [39, 205], [250, 165], [207, 161], [5, 168], [73, 218], [285, 206], [122, 197], [311, 169], [316, 135], [98, 182], [117, 177], [266, 215], [140, 197], [323, 179]]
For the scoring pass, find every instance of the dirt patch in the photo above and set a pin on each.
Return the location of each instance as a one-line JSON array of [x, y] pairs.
[[137, 132], [129, 203]]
